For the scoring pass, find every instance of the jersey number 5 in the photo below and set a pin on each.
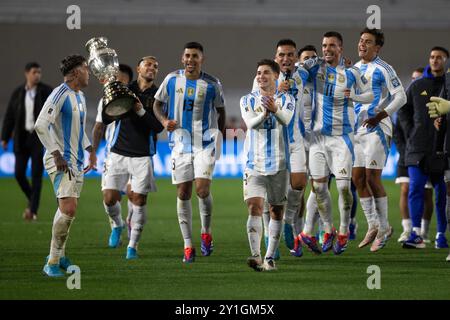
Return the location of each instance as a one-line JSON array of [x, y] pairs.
[[188, 105]]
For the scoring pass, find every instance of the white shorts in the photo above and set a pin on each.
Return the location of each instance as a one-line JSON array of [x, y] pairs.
[[331, 154], [67, 184], [297, 157], [258, 186], [191, 166], [120, 169], [371, 149]]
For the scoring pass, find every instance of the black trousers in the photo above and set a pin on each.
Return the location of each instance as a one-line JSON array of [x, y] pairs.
[[33, 149]]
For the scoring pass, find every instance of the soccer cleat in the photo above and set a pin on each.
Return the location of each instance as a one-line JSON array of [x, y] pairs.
[[269, 264], [114, 238], [298, 250], [320, 236], [64, 262], [189, 255], [441, 241], [381, 239], [52, 270], [404, 236], [288, 236], [255, 262], [277, 252], [310, 242], [328, 239], [340, 244], [448, 258], [207, 245], [131, 253], [353, 227], [425, 238], [414, 242], [369, 237]]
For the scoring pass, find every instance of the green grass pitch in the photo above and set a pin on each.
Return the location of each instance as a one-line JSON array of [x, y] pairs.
[[160, 274]]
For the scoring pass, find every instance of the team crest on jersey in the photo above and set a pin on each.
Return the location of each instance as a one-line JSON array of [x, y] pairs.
[[190, 91], [331, 77], [298, 81], [341, 78], [291, 82]]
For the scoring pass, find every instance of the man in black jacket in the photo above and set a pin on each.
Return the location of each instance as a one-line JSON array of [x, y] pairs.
[[23, 109], [424, 149]]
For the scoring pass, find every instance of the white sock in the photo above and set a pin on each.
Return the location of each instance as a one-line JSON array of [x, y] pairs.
[[368, 208], [407, 225], [416, 230], [114, 212], [294, 197], [60, 233], [345, 204], [299, 224], [323, 198], [266, 218], [130, 210], [311, 210], [381, 207], [274, 237], [254, 232], [425, 228], [205, 208], [138, 220], [184, 211]]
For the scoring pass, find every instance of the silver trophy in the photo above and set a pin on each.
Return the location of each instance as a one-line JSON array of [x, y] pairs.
[[118, 99]]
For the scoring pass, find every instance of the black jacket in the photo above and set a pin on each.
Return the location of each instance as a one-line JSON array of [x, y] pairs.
[[422, 139], [14, 121], [446, 95]]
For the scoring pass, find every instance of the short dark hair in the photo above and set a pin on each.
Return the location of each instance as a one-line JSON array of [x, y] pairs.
[[126, 69], [438, 48], [308, 47], [377, 33], [335, 34], [71, 62], [31, 65], [269, 62], [287, 42], [194, 45]]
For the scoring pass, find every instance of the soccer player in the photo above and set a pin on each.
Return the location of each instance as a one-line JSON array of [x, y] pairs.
[[267, 114], [129, 158], [61, 129], [331, 145], [424, 154], [373, 134], [194, 101], [292, 79]]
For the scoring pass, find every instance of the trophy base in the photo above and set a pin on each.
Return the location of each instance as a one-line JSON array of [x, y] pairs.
[[119, 107], [118, 100]]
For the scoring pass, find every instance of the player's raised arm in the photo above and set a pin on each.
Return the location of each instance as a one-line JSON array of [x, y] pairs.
[[362, 86]]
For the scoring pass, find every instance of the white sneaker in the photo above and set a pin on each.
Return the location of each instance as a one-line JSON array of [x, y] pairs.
[[255, 263], [425, 237], [448, 258], [404, 236], [269, 265]]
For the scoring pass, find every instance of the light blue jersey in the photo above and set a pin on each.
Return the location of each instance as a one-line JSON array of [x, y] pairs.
[[266, 147], [65, 109], [333, 113], [384, 83], [193, 104]]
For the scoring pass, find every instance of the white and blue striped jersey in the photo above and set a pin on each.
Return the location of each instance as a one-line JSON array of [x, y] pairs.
[[266, 147], [333, 113], [384, 83], [297, 81], [65, 109], [109, 130], [193, 104]]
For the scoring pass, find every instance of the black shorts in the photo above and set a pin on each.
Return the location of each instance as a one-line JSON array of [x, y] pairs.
[[402, 171]]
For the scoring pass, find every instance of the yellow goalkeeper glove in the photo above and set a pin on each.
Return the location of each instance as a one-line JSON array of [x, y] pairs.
[[438, 107]]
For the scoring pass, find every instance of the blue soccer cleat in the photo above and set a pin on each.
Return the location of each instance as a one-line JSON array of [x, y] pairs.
[[288, 236], [207, 245], [131, 253], [189, 255], [328, 239], [310, 242], [277, 255], [52, 270], [340, 244], [298, 250], [64, 262], [414, 242], [114, 238], [441, 241]]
